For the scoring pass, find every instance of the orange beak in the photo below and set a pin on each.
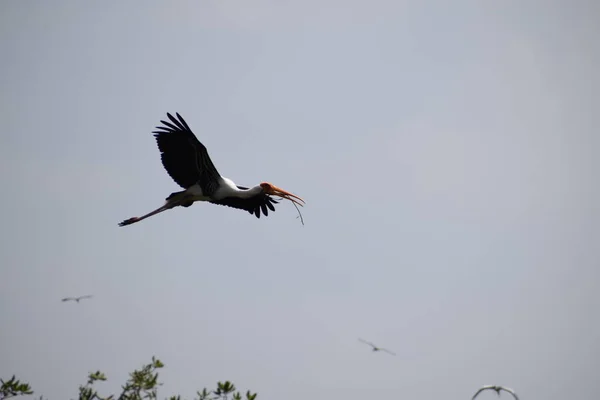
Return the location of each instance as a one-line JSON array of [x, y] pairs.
[[274, 190]]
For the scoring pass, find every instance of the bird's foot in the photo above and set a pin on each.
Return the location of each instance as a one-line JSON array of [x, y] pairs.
[[129, 221]]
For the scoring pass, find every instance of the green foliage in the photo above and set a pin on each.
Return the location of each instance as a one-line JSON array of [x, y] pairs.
[[142, 384], [13, 388]]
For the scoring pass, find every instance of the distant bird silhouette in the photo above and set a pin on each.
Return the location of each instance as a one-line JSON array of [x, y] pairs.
[[77, 298], [375, 348], [497, 389]]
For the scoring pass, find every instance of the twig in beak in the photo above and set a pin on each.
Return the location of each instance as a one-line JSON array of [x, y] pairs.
[[299, 213], [297, 209]]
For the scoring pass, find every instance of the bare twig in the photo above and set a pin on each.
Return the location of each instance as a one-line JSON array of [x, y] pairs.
[[297, 209], [299, 213]]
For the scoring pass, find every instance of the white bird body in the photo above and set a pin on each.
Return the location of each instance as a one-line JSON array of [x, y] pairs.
[[227, 188]]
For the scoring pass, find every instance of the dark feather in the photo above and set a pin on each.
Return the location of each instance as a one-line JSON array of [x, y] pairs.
[[253, 205], [185, 159]]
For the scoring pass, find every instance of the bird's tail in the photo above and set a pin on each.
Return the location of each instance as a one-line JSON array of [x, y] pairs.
[[178, 197]]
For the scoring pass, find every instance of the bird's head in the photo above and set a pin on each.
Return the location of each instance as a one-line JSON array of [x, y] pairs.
[[271, 189]]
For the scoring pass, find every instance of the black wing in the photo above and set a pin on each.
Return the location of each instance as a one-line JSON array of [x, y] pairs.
[[479, 391], [253, 205], [184, 157]]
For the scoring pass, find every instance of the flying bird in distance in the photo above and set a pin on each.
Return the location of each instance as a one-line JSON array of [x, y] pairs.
[[187, 162], [77, 298], [497, 389], [375, 348]]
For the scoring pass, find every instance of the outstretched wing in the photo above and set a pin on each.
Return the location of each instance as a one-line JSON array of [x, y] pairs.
[[369, 343], [254, 205], [486, 387], [185, 159], [510, 391], [388, 351], [479, 391], [67, 299]]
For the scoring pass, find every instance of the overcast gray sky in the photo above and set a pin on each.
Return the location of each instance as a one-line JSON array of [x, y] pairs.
[[446, 152]]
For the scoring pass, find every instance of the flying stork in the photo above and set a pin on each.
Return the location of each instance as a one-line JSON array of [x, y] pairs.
[[77, 298], [497, 389], [187, 162], [375, 348]]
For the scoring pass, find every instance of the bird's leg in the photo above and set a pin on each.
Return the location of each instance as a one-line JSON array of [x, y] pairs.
[[167, 206]]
